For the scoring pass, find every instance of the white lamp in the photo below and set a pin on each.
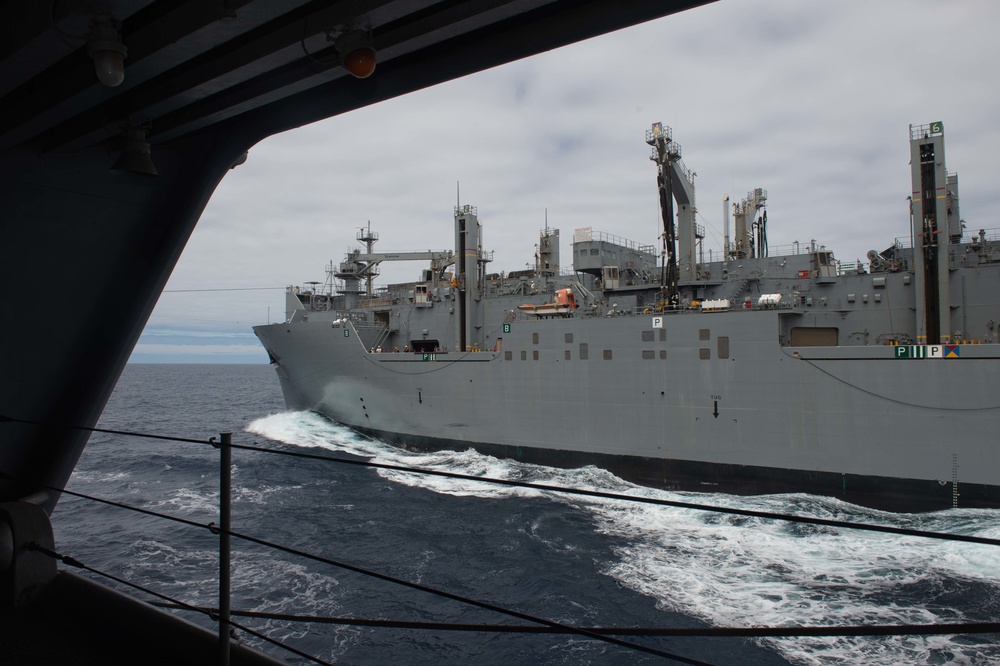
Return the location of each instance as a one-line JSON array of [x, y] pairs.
[[107, 50]]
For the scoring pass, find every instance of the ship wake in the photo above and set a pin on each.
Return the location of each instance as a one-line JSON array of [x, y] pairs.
[[738, 571]]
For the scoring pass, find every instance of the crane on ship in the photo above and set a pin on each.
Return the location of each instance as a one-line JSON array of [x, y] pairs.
[[358, 265], [674, 182]]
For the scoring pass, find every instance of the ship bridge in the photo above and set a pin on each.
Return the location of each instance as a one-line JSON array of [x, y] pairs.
[[616, 261]]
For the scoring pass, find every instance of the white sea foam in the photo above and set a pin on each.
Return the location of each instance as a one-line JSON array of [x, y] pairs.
[[736, 571], [186, 501], [310, 430], [99, 477]]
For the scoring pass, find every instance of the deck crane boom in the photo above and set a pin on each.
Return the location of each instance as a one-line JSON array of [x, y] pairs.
[[675, 182]]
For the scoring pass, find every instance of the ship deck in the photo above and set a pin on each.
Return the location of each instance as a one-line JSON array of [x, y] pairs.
[[76, 622]]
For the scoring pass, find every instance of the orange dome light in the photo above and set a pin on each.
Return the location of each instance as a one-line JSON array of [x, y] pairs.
[[360, 62], [357, 55]]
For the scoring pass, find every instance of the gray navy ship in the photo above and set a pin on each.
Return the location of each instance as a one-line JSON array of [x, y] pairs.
[[756, 371]]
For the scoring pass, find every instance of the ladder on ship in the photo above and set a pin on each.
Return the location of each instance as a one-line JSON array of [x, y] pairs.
[[739, 290], [383, 334]]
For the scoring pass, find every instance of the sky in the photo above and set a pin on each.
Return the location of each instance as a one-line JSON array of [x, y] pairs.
[[811, 101]]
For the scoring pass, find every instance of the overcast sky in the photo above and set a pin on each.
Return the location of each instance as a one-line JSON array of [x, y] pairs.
[[809, 100]]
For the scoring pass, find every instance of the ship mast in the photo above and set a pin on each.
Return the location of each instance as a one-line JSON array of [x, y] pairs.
[[369, 238]]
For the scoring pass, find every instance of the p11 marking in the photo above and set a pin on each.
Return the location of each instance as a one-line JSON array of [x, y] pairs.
[[928, 351]]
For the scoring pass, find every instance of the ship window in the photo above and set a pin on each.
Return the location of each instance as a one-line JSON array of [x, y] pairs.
[[534, 338], [524, 355], [647, 336], [663, 354], [508, 356], [704, 353], [594, 252], [584, 355], [703, 334], [534, 355], [723, 346], [648, 354], [607, 354], [568, 355], [569, 338], [663, 335]]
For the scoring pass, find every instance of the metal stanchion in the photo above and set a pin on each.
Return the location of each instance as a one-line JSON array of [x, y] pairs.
[[225, 505]]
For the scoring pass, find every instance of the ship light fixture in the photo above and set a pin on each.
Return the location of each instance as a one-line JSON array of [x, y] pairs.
[[135, 156], [357, 55], [106, 48]]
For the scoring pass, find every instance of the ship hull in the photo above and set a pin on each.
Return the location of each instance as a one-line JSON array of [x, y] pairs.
[[707, 402], [880, 492]]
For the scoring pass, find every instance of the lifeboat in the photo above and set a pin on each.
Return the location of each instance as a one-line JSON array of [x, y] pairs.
[[562, 306]]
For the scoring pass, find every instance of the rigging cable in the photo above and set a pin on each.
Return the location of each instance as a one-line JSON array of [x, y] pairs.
[[700, 632], [903, 531], [547, 627], [973, 627], [186, 291], [211, 527], [884, 397]]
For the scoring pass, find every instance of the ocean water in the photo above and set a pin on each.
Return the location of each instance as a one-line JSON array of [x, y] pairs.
[[581, 561]]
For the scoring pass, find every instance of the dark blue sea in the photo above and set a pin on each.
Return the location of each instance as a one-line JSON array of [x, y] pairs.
[[580, 561]]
